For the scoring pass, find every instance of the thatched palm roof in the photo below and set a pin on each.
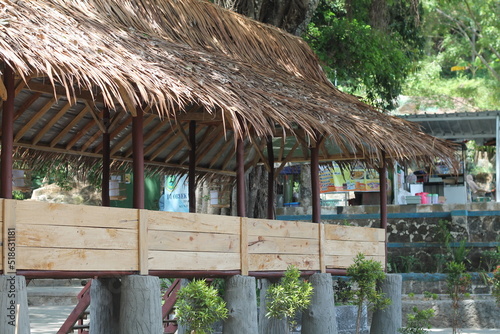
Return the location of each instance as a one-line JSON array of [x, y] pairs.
[[182, 60]]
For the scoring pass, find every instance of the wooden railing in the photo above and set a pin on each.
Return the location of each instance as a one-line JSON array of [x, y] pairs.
[[62, 237]]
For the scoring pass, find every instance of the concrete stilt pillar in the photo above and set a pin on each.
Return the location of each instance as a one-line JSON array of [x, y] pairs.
[[267, 325], [105, 306], [241, 299], [140, 306], [389, 320], [320, 315], [14, 315]]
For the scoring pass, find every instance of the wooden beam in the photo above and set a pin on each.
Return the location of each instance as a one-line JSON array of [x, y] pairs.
[[192, 167], [185, 157], [286, 160], [208, 143], [60, 91], [34, 119], [226, 145], [150, 134], [118, 158], [161, 138], [240, 178], [183, 134], [258, 150], [3, 91], [128, 137], [163, 147], [117, 130], [51, 123], [97, 116], [70, 126], [24, 106], [80, 134], [106, 159], [7, 137], [138, 159], [304, 144]]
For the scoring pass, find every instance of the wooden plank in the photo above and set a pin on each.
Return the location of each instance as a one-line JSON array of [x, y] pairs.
[[9, 238], [193, 222], [35, 258], [143, 245], [321, 245], [340, 232], [193, 241], [244, 247], [193, 261], [277, 228], [41, 213], [352, 248], [50, 236], [282, 245], [344, 261], [271, 262]]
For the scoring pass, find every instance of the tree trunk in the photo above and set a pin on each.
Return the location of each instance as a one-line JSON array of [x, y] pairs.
[[140, 311], [320, 316], [241, 300], [389, 320], [290, 15], [14, 314], [105, 306]]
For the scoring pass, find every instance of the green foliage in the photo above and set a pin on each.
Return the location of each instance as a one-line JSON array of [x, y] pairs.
[[418, 321], [343, 291], [289, 296], [496, 284], [458, 282], [491, 258], [430, 295], [199, 305], [366, 274], [360, 58], [409, 263]]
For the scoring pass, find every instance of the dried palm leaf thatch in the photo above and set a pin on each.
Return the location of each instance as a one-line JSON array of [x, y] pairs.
[[166, 54]]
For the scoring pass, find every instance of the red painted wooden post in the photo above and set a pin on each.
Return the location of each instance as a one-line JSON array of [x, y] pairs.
[[383, 200], [106, 159], [192, 167], [7, 133], [240, 178], [138, 157], [270, 179], [316, 202]]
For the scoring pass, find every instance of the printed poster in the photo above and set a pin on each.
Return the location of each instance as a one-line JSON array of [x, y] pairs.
[[335, 179]]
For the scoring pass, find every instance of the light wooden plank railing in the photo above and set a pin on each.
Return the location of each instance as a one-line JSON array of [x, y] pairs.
[[64, 237]]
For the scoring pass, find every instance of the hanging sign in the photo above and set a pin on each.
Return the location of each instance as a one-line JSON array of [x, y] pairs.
[[335, 179], [175, 197]]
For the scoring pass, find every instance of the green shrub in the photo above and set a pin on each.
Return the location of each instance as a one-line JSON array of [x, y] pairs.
[[198, 306], [418, 321]]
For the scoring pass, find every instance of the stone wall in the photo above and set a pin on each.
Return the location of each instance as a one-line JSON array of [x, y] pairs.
[[423, 237]]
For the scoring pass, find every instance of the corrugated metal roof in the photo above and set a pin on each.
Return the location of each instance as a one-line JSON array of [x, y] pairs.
[[479, 126]]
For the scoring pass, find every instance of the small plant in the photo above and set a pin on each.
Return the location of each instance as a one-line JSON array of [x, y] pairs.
[[409, 263], [342, 290], [365, 274], [430, 295], [458, 282], [496, 284], [289, 296], [411, 295], [198, 306], [418, 321]]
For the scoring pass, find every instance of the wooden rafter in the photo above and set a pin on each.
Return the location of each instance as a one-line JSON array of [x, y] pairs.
[[34, 119], [51, 123], [70, 126], [60, 91], [80, 134], [210, 143], [260, 154], [24, 106], [287, 159], [128, 137], [185, 156], [216, 157], [183, 134]]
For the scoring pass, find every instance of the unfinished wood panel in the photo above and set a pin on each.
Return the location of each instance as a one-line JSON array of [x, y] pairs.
[[352, 248], [340, 232], [321, 247], [193, 241], [41, 213], [244, 246], [281, 245], [35, 258], [51, 236], [9, 237], [143, 246], [278, 228], [193, 261], [193, 222], [271, 262], [344, 261]]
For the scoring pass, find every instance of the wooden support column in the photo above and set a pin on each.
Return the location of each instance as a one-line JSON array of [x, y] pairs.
[[240, 178], [192, 167], [316, 203], [383, 200], [106, 158], [138, 159], [270, 179], [7, 133]]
